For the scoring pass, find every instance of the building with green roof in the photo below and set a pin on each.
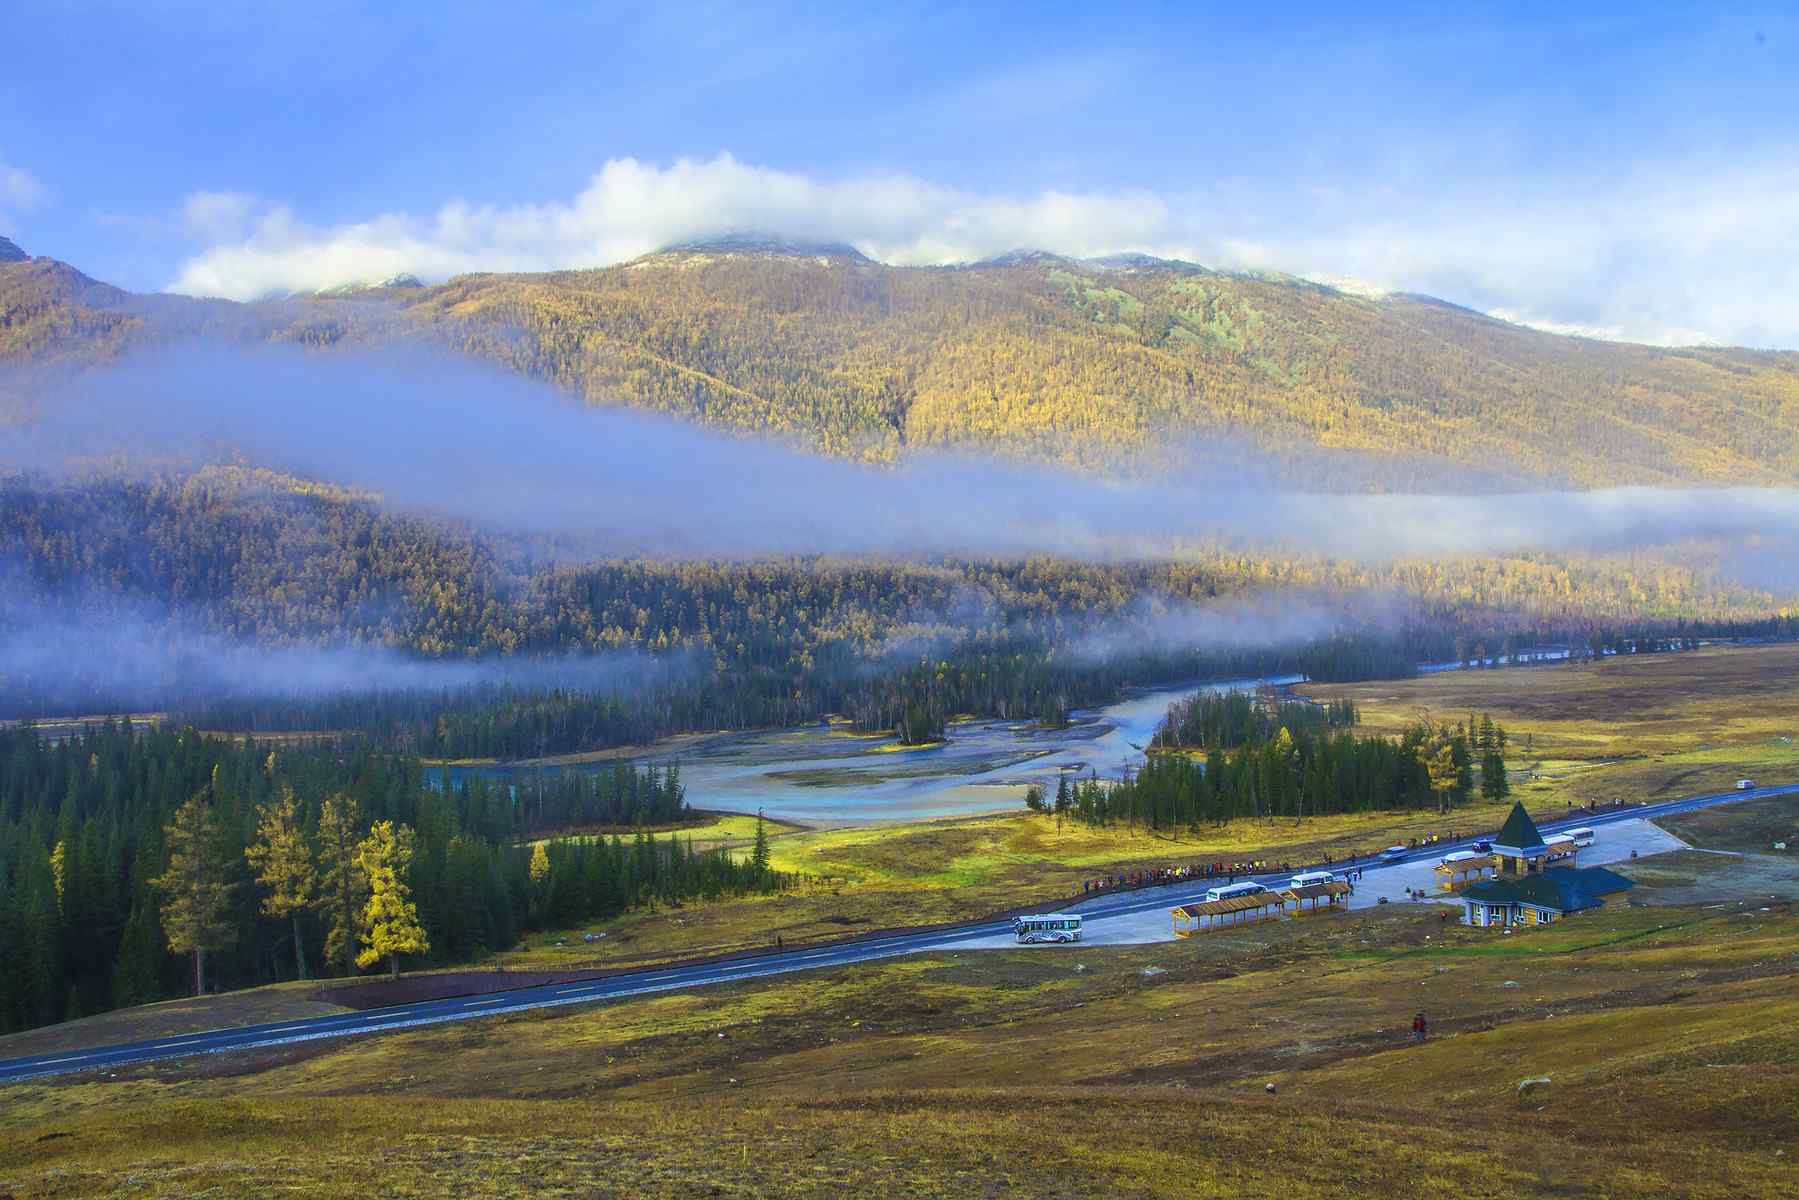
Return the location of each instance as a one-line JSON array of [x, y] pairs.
[[1518, 849], [1541, 897]]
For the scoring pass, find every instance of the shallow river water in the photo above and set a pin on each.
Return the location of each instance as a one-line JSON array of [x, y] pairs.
[[829, 776]]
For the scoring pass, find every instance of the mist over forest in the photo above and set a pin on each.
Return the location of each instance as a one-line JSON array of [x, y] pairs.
[[211, 529]]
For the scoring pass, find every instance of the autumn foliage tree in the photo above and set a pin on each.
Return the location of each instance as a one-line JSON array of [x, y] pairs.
[[390, 920], [283, 864]]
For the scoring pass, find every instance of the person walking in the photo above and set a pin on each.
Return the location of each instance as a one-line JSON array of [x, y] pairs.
[[1420, 1028]]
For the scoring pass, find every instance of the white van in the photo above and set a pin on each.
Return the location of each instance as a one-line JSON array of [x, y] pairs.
[[1228, 890], [1744, 785], [1582, 837], [1458, 856], [1307, 878]]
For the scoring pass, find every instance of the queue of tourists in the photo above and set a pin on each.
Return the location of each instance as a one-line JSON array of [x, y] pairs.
[[1156, 876]]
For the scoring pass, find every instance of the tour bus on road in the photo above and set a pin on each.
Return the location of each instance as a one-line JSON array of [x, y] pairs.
[[1225, 891], [1394, 853], [1456, 856], [1048, 927], [1305, 878], [1583, 837]]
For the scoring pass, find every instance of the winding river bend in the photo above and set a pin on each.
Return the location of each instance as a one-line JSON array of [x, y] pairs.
[[822, 776]]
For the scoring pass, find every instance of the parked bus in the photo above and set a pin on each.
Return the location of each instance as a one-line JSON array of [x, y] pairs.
[[1225, 891], [1582, 837], [1306, 878], [1048, 927], [1457, 856]]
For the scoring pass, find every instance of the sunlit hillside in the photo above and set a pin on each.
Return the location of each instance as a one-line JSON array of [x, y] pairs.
[[1126, 363]]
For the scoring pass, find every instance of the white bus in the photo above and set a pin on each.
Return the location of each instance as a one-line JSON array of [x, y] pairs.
[[1582, 837], [1306, 878], [1457, 856], [1225, 891], [1393, 854], [1744, 785], [1048, 927]]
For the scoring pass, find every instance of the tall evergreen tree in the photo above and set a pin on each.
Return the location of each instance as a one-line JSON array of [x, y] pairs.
[[196, 889], [342, 885]]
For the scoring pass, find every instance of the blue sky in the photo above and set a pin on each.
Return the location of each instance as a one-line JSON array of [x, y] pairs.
[[1627, 174]]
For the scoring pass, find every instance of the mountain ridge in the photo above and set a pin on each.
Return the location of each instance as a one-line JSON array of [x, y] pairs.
[[1118, 363]]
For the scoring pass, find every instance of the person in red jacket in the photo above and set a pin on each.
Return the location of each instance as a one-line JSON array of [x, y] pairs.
[[1420, 1028]]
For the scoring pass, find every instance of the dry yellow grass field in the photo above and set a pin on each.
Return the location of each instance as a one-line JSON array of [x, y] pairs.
[[1639, 727], [1669, 1035]]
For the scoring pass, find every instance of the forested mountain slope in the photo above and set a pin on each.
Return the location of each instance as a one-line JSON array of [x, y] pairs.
[[1125, 362]]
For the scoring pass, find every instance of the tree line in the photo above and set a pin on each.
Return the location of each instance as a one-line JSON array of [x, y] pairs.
[[1210, 720], [141, 864], [1276, 771]]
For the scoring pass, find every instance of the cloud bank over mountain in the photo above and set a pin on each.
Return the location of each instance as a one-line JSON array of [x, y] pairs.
[[1668, 257], [461, 441]]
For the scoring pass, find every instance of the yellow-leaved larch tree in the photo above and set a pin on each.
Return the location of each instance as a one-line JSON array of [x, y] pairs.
[[283, 864], [390, 919]]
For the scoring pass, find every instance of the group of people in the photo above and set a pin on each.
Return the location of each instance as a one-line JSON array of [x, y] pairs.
[[1152, 876]]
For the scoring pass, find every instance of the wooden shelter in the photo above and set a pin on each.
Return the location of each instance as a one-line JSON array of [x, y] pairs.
[[1464, 871], [1190, 919], [1305, 899]]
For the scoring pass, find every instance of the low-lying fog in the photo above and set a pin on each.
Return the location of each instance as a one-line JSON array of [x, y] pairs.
[[457, 439]]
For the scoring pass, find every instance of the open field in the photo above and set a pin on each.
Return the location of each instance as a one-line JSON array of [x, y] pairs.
[[862, 879], [1753, 826], [1637, 727], [1670, 1036]]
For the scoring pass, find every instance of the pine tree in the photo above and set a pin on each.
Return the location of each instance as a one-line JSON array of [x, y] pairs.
[[390, 920], [759, 856], [283, 864], [342, 886], [196, 890]]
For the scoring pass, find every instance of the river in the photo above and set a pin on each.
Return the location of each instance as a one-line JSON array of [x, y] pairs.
[[820, 776]]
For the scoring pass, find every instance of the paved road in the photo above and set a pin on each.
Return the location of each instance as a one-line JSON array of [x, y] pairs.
[[674, 978]]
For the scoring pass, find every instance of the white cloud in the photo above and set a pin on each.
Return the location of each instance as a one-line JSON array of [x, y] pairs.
[[19, 191], [217, 216], [1674, 255], [630, 208]]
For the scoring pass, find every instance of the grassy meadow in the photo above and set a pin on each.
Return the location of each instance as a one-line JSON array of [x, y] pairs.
[[1637, 727], [1669, 1036]]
